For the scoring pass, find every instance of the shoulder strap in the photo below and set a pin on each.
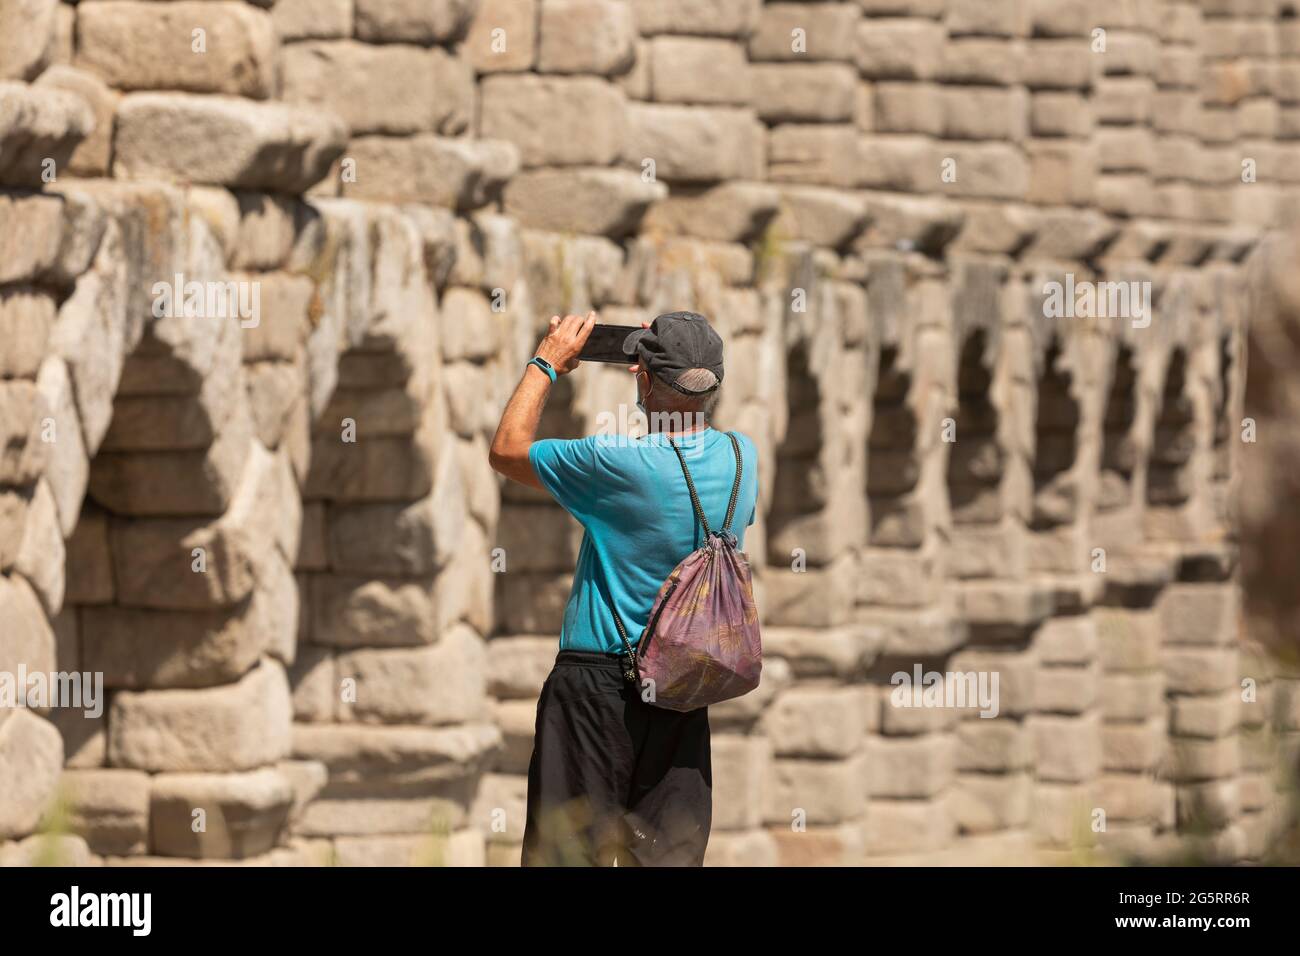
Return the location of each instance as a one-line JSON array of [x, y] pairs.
[[695, 498], [735, 485]]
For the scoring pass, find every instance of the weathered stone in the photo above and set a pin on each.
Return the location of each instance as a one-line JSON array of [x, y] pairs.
[[911, 222], [39, 126], [312, 19], [276, 391], [173, 483], [978, 60], [382, 413], [48, 849], [998, 18], [373, 611], [905, 107], [40, 559], [517, 720], [455, 173], [827, 32], [1068, 748], [985, 803], [817, 846], [908, 826], [464, 589], [233, 727], [1061, 172], [555, 121], [804, 92], [816, 652], [442, 684], [109, 809], [268, 146], [26, 315], [985, 114], [896, 162], [503, 36], [1210, 715], [729, 212], [395, 539], [608, 202], [92, 156], [890, 49], [812, 722], [695, 145], [62, 44], [67, 467], [698, 70], [14, 503], [744, 766], [518, 666], [821, 216], [827, 791], [755, 848], [183, 564], [354, 753], [31, 756], [696, 17], [987, 170], [23, 450], [142, 648], [585, 36], [386, 21], [243, 814], [29, 243], [793, 602], [307, 778], [90, 564], [255, 229], [372, 469], [463, 848], [1059, 65], [1200, 614], [140, 46], [27, 29], [911, 767], [92, 334], [407, 90]]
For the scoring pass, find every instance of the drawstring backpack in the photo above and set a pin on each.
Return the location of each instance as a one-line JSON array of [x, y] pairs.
[[702, 644]]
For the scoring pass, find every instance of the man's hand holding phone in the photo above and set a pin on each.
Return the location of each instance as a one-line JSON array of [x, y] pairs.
[[565, 341]]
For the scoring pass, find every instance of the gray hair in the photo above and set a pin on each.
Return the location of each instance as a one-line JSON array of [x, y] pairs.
[[674, 401]]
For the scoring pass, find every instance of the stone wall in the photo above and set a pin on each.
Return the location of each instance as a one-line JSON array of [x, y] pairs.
[[322, 622]]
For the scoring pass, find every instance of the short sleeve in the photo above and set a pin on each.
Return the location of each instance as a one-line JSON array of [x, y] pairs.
[[567, 469]]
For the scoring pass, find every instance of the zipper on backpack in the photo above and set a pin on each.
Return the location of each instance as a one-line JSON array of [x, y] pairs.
[[654, 623]]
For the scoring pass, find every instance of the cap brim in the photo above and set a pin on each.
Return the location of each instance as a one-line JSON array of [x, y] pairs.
[[630, 343]]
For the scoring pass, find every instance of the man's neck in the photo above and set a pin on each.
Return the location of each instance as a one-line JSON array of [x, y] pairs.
[[676, 423]]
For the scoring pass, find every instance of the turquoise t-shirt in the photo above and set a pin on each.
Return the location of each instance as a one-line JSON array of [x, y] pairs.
[[630, 496]]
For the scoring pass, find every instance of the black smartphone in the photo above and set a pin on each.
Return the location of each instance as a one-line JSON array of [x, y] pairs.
[[605, 344]]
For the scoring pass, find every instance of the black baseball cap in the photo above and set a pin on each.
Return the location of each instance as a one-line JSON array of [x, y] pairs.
[[678, 343]]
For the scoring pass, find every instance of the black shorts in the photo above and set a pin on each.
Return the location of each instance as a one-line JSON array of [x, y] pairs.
[[614, 780]]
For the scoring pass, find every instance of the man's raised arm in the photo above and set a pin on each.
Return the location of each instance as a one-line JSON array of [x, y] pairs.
[[518, 426]]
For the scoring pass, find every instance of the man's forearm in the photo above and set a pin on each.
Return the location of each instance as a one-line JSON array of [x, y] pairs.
[[518, 427]]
